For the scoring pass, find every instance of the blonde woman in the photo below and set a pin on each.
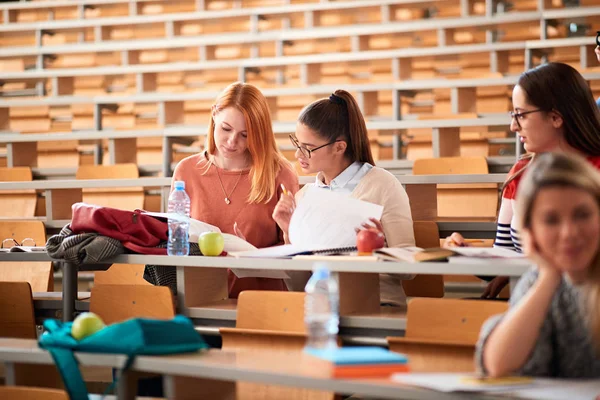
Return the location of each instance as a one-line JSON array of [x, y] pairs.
[[553, 326]]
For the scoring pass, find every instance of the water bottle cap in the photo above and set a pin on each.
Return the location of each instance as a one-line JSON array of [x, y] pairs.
[[179, 185], [320, 271]]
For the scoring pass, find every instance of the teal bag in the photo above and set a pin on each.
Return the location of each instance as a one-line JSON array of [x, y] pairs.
[[133, 337]]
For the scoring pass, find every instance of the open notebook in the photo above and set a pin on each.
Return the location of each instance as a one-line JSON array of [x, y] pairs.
[[233, 244], [324, 222]]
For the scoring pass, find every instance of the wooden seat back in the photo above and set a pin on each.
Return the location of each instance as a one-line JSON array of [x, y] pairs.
[[441, 333], [31, 393], [121, 274], [38, 274], [17, 320], [123, 198], [275, 320], [116, 303], [17, 203], [427, 235], [462, 201]]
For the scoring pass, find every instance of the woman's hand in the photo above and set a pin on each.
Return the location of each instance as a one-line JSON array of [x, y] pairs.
[[547, 269], [597, 51], [494, 287], [374, 224], [282, 214], [455, 240]]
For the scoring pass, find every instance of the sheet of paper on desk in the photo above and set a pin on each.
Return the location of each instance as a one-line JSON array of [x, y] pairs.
[[259, 273], [237, 244], [487, 252], [448, 382], [325, 219], [558, 389]]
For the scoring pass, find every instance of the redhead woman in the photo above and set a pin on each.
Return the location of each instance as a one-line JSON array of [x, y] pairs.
[[235, 184]]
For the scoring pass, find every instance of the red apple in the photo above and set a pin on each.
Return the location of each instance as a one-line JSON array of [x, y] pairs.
[[368, 240]]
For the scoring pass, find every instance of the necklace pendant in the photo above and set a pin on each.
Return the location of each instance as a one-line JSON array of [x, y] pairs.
[[227, 201]]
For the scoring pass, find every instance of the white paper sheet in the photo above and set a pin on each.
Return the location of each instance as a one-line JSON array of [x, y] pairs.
[[449, 382], [538, 389], [487, 252], [325, 219]]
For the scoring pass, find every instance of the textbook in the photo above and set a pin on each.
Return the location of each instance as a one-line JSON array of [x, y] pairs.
[[413, 254]]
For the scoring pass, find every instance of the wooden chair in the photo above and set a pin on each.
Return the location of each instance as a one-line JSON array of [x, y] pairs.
[[37, 274], [462, 201], [17, 320], [427, 235], [123, 198], [441, 333], [121, 274], [31, 393], [275, 320], [116, 303], [17, 203], [267, 319]]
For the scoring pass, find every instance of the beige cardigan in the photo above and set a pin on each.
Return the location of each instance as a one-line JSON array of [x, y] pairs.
[[380, 187]]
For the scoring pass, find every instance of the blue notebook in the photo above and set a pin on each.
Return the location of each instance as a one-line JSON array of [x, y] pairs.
[[358, 355]]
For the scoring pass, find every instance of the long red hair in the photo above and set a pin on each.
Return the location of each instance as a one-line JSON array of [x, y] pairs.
[[265, 157]]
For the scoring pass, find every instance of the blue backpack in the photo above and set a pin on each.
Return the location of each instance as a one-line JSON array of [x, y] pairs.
[[131, 337]]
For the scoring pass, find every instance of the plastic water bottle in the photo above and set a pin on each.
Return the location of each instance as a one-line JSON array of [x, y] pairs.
[[179, 224], [321, 309]]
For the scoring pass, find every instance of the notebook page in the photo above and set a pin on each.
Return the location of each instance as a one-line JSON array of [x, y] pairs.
[[325, 219]]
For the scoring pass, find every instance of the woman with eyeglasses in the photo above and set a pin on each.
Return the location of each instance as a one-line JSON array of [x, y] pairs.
[[236, 182], [554, 111], [332, 141]]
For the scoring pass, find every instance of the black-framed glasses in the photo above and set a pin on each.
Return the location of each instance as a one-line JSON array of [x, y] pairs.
[[11, 242], [520, 114], [305, 151], [598, 38]]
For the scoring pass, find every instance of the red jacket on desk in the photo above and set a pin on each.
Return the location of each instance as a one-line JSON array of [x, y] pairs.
[[136, 230]]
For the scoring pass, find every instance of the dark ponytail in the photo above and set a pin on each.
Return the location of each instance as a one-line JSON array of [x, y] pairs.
[[339, 117]]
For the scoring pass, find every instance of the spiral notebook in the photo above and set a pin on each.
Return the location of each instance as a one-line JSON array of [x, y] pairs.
[[290, 250]]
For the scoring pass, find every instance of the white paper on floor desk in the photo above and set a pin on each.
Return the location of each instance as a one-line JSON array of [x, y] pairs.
[[325, 219]]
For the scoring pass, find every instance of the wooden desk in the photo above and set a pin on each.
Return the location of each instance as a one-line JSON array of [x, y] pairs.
[[70, 271], [268, 367]]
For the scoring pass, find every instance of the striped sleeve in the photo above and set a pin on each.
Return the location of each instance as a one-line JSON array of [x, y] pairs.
[[503, 228]]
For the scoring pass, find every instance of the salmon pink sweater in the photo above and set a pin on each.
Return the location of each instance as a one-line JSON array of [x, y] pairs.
[[255, 221]]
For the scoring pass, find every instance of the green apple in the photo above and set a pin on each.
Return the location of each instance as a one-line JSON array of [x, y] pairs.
[[211, 243], [86, 324]]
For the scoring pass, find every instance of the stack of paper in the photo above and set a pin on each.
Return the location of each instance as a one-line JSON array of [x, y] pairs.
[[362, 362]]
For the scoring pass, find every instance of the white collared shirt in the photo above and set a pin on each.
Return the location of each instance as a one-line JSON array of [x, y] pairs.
[[347, 180]]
